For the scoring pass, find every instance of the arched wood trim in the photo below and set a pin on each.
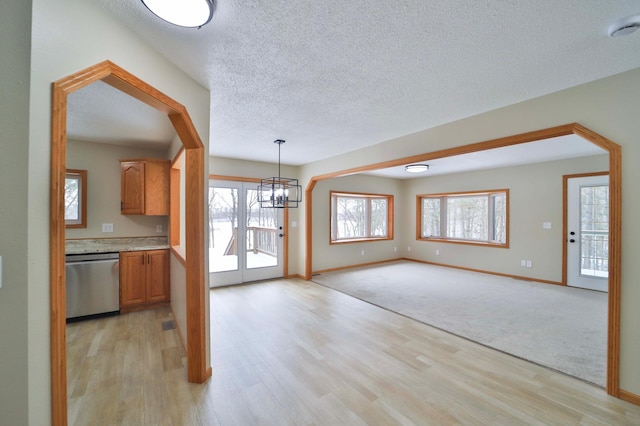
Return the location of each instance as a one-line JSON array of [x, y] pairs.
[[615, 216], [197, 370]]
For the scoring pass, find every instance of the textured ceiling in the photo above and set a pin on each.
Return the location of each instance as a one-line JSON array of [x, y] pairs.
[[333, 76]]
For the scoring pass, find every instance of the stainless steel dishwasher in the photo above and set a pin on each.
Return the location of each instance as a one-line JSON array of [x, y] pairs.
[[93, 284]]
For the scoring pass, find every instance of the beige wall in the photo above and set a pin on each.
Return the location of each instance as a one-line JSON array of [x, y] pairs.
[[15, 398], [102, 162], [328, 256], [608, 107], [535, 196], [64, 36]]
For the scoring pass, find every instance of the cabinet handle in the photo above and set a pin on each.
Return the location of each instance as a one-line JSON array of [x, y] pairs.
[[149, 259], [143, 259]]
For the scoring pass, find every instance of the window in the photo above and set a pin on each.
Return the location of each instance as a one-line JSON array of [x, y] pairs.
[[476, 217], [358, 217], [75, 199]]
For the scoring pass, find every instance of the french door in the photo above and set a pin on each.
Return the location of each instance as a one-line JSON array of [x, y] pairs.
[[588, 232], [245, 241]]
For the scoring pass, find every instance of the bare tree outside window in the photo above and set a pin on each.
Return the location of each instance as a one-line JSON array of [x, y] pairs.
[[360, 216], [475, 217], [75, 199]]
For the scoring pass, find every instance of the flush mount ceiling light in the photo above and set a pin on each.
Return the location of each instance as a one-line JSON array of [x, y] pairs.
[[279, 192], [624, 26], [416, 168], [184, 13]]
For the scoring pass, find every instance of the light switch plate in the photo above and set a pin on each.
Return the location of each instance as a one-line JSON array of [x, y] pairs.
[[546, 225], [107, 227]]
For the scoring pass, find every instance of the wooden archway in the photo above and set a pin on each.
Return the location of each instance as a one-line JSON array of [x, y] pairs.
[[615, 219], [108, 72]]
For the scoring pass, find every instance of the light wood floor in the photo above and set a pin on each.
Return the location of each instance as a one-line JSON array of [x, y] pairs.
[[293, 352]]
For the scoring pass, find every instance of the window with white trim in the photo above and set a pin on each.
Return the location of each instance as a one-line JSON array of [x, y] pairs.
[[358, 217], [472, 217]]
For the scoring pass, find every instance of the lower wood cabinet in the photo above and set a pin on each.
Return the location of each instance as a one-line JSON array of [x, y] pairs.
[[144, 278]]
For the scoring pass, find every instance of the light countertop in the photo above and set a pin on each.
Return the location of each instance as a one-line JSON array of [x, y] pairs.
[[107, 245]]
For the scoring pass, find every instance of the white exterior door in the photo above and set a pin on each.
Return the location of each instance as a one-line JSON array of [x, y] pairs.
[[588, 232], [246, 242]]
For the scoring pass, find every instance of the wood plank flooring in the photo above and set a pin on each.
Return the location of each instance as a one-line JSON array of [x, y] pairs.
[[290, 352]]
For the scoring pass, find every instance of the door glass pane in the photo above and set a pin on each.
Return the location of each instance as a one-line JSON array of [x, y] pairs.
[[223, 229], [262, 233], [594, 231]]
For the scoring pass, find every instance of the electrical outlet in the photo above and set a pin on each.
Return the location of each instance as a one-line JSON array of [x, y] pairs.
[[437, 252], [409, 248], [523, 263], [362, 253], [395, 248], [528, 264], [0, 271], [546, 225], [107, 227], [158, 228]]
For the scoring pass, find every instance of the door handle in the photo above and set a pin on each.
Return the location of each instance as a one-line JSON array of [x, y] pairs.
[[280, 235], [572, 240]]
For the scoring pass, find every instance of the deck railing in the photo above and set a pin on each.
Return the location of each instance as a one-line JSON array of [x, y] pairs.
[[260, 239]]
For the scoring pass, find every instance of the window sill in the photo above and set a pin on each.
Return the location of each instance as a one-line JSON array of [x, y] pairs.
[[465, 242], [359, 240], [180, 254]]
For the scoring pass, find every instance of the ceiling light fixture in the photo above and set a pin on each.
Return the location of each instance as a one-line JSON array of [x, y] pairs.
[[416, 168], [184, 13], [624, 26], [279, 192]]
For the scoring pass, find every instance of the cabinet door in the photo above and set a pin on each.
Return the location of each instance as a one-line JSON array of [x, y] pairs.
[[133, 288], [132, 187], [156, 202], [158, 275]]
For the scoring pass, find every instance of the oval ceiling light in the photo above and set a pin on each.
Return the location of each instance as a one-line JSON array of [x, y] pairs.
[[184, 13], [624, 26], [416, 168]]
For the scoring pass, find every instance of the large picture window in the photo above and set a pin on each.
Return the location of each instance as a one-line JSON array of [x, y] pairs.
[[471, 217], [358, 217]]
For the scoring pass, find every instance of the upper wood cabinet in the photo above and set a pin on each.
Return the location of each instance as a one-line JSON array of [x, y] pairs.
[[144, 187]]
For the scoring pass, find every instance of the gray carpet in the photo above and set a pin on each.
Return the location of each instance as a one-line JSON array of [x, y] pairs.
[[559, 327]]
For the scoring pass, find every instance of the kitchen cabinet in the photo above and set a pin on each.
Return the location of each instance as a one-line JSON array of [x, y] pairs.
[[144, 187], [144, 278]]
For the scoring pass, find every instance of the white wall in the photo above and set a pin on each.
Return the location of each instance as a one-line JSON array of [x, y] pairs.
[[102, 162], [535, 196], [609, 107], [67, 36], [328, 256], [15, 395]]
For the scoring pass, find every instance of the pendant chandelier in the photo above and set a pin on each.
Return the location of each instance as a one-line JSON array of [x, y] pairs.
[[279, 192]]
